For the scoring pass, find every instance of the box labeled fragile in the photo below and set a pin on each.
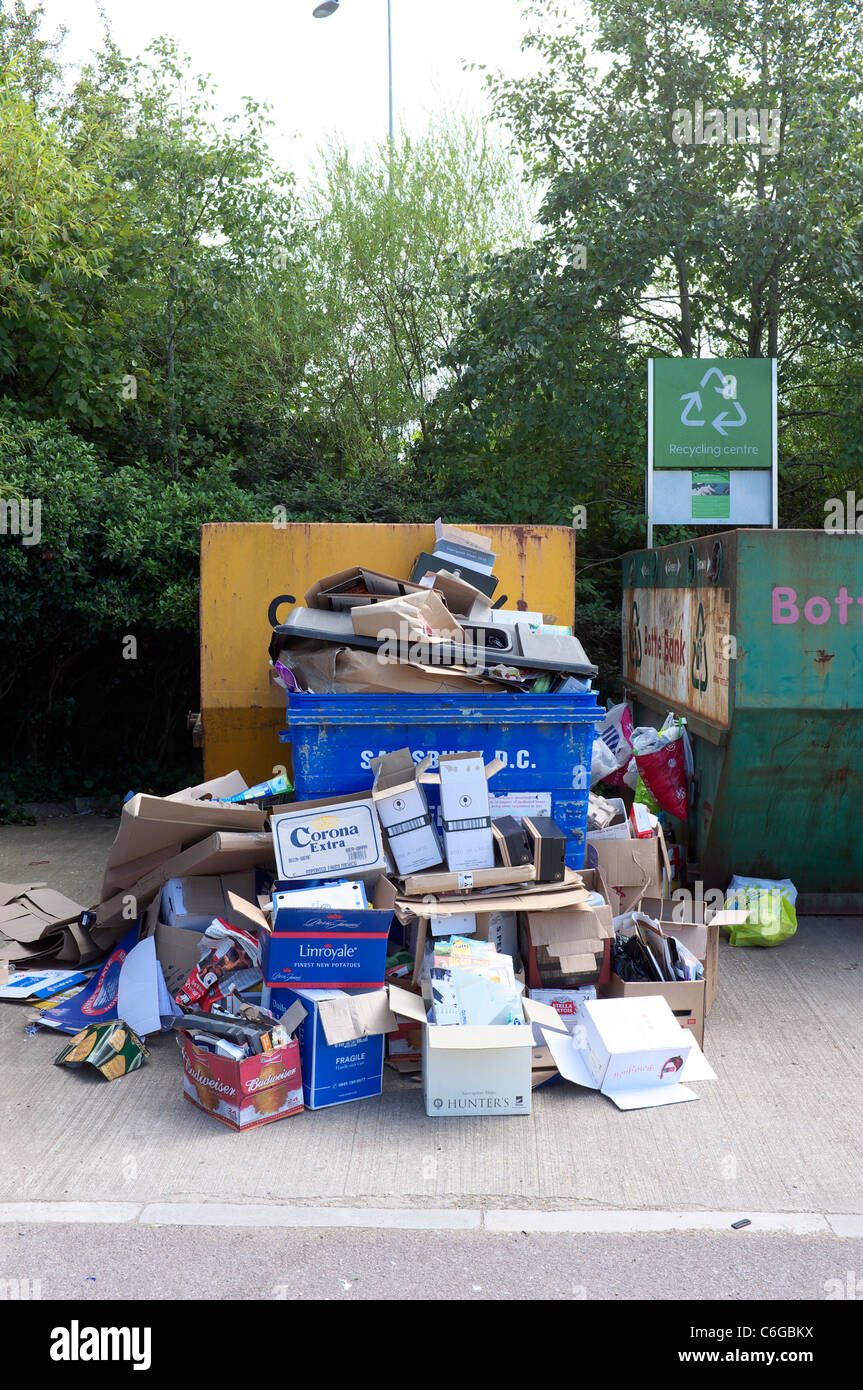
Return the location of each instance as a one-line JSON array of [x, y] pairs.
[[341, 1042], [243, 1094]]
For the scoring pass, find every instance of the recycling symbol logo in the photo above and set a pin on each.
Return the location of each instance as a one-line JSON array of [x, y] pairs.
[[722, 422], [698, 669], [634, 637]]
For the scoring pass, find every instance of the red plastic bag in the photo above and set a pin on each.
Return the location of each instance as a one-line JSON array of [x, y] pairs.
[[664, 775]]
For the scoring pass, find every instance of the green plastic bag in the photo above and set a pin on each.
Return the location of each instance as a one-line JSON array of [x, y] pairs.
[[646, 797], [771, 913]]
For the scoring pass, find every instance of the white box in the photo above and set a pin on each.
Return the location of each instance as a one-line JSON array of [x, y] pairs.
[[470, 1070], [613, 832], [632, 1050], [332, 838], [403, 811], [456, 924], [465, 815], [565, 1002]]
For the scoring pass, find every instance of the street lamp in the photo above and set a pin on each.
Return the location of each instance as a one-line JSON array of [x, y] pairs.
[[328, 7]]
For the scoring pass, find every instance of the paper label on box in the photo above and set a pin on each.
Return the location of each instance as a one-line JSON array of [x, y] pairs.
[[519, 804], [465, 880]]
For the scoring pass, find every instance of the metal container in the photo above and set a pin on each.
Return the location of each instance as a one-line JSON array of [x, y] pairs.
[[756, 636]]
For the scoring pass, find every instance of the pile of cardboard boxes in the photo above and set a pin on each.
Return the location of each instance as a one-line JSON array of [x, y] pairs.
[[295, 948]]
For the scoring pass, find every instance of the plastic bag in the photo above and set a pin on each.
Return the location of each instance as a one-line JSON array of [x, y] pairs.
[[602, 762], [661, 759], [616, 733], [770, 904]]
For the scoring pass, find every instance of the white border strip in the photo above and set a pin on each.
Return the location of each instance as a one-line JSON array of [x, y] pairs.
[[496, 1221]]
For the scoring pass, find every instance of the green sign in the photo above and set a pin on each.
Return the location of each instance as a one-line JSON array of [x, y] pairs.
[[712, 412], [711, 494]]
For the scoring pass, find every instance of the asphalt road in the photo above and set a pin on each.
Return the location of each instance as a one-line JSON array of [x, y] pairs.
[[72, 1262]]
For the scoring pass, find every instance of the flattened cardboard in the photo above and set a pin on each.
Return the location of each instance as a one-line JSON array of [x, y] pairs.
[[229, 785], [152, 826], [416, 885], [419, 617], [460, 597], [223, 852]]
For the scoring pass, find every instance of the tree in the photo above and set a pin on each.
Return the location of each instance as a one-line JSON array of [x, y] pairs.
[[389, 237]]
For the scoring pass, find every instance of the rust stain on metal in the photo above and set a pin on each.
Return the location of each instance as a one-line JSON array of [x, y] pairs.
[[822, 658]]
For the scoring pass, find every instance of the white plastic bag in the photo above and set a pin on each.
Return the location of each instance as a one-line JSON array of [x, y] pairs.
[[602, 762]]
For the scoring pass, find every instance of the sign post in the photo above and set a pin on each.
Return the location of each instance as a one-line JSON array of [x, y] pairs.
[[712, 451]]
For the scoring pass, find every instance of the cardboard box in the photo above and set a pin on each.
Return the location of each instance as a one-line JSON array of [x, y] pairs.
[[549, 848], [456, 535], [619, 827], [410, 833], [311, 948], [341, 1042], [568, 950], [511, 841], [565, 1002], [334, 837], [633, 869], [243, 1094], [177, 949], [689, 1000], [463, 780], [475, 1070], [632, 1050], [333, 592], [501, 907], [434, 564], [191, 903]]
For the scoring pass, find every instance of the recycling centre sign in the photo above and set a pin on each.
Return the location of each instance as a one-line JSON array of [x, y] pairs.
[[711, 441]]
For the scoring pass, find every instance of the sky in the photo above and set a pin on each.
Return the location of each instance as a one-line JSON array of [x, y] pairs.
[[322, 77]]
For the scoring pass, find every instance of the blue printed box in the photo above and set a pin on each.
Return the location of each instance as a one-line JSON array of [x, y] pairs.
[[322, 948], [341, 1042]]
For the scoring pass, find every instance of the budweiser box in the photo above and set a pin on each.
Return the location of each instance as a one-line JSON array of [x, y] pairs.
[[243, 1094]]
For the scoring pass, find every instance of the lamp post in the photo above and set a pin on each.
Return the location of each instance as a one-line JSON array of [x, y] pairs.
[[328, 7]]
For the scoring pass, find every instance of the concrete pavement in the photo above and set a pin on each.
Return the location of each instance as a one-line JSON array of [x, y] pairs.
[[780, 1131]]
